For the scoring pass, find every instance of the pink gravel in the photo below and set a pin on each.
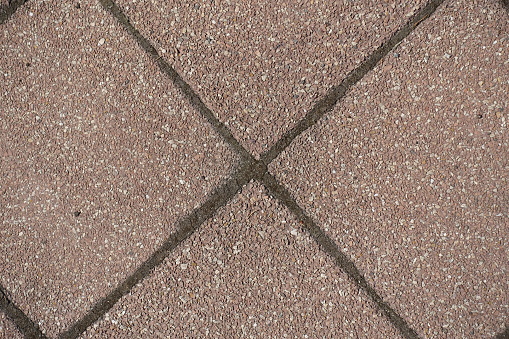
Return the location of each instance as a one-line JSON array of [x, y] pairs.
[[409, 173], [100, 157], [248, 272], [260, 65]]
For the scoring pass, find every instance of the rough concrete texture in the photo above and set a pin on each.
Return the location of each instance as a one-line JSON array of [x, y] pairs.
[[7, 328], [260, 65], [409, 174], [99, 157], [249, 272]]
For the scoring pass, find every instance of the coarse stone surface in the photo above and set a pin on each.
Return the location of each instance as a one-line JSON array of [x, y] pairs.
[[7, 328], [260, 65], [409, 173], [248, 272], [100, 155]]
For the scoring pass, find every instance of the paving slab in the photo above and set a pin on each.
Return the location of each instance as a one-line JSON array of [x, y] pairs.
[[260, 65], [248, 272], [7, 328], [100, 155], [409, 173]]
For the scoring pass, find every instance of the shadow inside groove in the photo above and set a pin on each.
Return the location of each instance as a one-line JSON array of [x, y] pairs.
[[185, 228], [23, 323], [6, 11], [250, 170], [505, 3], [337, 92], [193, 98], [504, 334], [279, 192]]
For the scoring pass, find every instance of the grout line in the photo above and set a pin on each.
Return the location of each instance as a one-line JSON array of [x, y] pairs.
[[251, 169], [193, 98], [186, 227], [279, 192], [24, 324], [337, 92], [7, 11], [504, 334], [322, 107], [505, 4]]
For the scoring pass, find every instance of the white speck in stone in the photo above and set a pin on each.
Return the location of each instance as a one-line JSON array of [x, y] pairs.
[[294, 232], [101, 42]]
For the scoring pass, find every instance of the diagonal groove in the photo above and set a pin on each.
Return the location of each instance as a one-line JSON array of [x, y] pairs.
[[178, 81], [250, 169], [186, 227], [24, 324], [336, 93], [504, 334], [505, 3], [279, 192], [7, 11]]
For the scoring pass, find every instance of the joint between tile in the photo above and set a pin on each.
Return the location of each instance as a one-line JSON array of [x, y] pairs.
[[23, 323], [504, 334], [252, 169], [7, 11], [185, 228], [336, 93], [177, 79], [280, 193]]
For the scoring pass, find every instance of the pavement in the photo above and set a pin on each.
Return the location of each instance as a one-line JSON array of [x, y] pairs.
[[239, 169]]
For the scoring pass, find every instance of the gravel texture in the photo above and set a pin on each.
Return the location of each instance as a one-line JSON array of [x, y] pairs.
[[249, 272], [7, 328], [99, 157], [409, 174], [261, 65]]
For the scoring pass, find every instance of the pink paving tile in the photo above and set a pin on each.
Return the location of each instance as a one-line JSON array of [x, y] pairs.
[[7, 328], [248, 272], [409, 174], [260, 65], [100, 155]]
